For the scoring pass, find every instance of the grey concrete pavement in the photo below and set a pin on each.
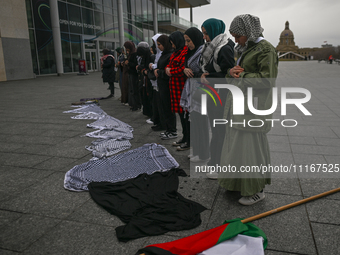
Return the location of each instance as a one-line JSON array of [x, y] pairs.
[[40, 143]]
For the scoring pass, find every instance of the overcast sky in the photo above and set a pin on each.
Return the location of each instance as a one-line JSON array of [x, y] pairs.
[[312, 21]]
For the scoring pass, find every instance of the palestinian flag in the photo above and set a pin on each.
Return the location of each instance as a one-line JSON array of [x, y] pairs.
[[232, 236]]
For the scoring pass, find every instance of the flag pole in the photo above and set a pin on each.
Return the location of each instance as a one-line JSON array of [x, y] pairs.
[[259, 216]]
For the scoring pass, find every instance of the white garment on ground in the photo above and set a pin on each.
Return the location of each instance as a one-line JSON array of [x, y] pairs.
[[238, 245], [108, 122], [114, 133], [91, 111]]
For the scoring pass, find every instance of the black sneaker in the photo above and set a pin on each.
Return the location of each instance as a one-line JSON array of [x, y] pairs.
[[178, 143], [168, 136], [183, 147], [163, 134]]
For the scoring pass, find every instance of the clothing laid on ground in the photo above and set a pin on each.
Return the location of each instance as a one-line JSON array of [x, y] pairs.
[[107, 147], [148, 204], [89, 111], [114, 133], [109, 122], [148, 159]]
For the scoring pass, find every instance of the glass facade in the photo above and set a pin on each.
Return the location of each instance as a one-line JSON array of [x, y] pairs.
[[88, 22]]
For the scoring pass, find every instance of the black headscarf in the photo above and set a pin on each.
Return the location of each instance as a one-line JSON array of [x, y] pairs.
[[196, 36], [177, 38], [164, 40]]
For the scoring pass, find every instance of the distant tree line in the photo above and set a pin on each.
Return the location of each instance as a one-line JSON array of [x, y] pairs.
[[326, 52]]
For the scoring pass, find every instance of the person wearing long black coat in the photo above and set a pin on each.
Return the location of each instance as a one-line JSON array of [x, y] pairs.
[[108, 69], [143, 51], [164, 45]]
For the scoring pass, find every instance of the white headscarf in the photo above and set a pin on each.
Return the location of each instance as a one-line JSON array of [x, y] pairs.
[[154, 65], [158, 53]]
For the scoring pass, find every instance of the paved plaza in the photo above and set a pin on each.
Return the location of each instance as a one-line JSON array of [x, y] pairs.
[[39, 144]]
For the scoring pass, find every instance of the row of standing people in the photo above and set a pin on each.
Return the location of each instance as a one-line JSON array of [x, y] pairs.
[[161, 87]]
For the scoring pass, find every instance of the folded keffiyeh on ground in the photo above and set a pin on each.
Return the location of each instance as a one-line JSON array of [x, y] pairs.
[[107, 147], [108, 122], [114, 133], [91, 111], [148, 159]]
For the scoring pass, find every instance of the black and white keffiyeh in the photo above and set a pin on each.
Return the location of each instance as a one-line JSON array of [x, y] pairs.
[[210, 51], [119, 133], [148, 159], [246, 25], [113, 134], [91, 111], [109, 122], [107, 147]]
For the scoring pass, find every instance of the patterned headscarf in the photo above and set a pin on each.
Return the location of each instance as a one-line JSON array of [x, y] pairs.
[[246, 25]]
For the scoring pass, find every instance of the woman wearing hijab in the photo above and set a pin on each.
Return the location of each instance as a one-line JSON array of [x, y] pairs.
[[158, 120], [217, 58], [177, 78], [163, 43], [246, 145], [131, 62], [144, 55], [200, 132]]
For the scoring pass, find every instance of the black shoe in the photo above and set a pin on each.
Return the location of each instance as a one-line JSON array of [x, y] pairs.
[[168, 136], [109, 96], [134, 109], [183, 147], [178, 143]]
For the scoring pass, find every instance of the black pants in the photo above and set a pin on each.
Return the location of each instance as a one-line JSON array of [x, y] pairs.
[[134, 96], [218, 132], [157, 115], [199, 132], [146, 94], [165, 108], [112, 88], [184, 116]]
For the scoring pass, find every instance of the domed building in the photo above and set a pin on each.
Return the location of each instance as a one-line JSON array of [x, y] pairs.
[[286, 47]]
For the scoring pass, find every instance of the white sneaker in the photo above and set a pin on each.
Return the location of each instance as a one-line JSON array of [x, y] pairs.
[[149, 121], [252, 199], [212, 175], [196, 159], [190, 156]]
